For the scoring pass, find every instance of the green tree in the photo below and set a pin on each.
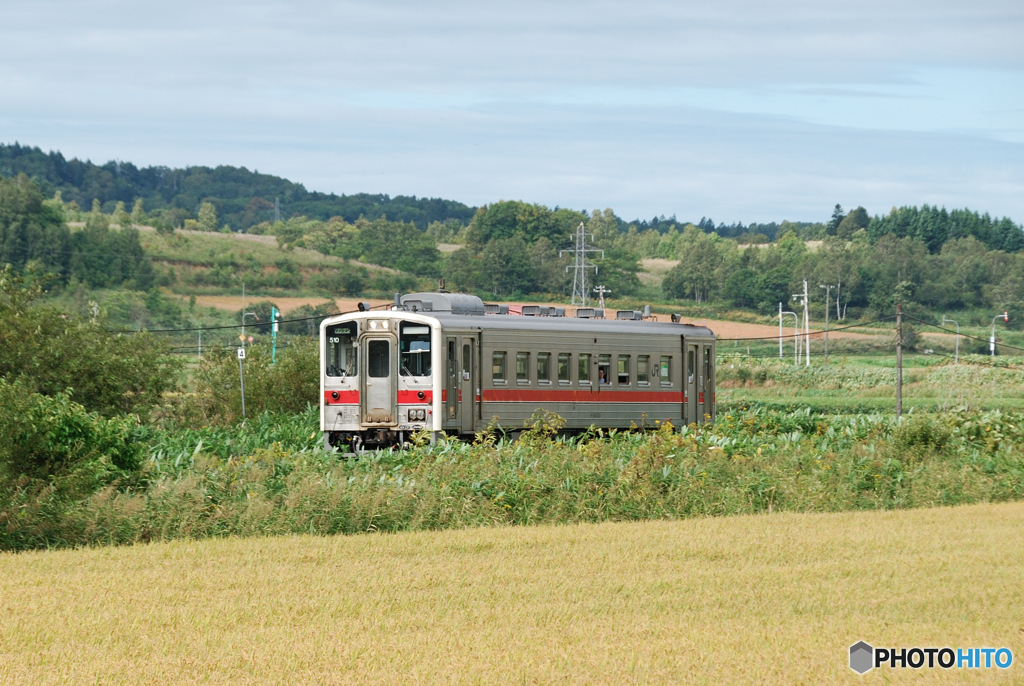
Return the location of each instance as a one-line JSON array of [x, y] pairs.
[[138, 213], [507, 267], [31, 230], [837, 218], [507, 218], [697, 273], [121, 216], [50, 351], [857, 219], [208, 217]]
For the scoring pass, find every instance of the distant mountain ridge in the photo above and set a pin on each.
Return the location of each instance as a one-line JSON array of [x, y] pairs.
[[243, 198]]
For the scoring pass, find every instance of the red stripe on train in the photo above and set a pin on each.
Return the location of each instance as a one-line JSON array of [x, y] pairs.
[[413, 398], [343, 398], [512, 395], [404, 398]]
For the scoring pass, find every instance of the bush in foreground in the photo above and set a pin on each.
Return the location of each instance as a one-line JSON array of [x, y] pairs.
[[213, 482]]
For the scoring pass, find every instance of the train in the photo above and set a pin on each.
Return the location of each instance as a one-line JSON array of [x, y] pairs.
[[451, 365]]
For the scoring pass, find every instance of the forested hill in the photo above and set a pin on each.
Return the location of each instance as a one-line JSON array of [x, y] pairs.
[[242, 197]]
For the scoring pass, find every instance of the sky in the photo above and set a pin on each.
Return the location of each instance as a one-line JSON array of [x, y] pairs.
[[737, 110]]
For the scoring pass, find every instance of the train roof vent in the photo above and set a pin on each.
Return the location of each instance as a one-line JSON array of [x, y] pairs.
[[456, 303], [585, 312], [494, 308], [557, 311], [629, 314], [533, 311]]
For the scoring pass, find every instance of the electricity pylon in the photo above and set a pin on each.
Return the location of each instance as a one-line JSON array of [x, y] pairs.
[[580, 265]]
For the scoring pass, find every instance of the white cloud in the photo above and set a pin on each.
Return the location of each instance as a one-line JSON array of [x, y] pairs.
[[736, 110]]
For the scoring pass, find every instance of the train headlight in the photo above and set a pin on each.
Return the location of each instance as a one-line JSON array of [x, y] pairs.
[[417, 415]]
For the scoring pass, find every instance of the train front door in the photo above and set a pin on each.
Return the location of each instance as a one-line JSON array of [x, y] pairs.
[[692, 358], [468, 384], [378, 382]]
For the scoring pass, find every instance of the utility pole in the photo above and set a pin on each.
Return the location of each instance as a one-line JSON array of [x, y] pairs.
[[273, 336], [807, 324], [580, 265], [277, 210], [956, 360], [601, 292], [839, 289], [992, 338], [899, 360], [241, 379], [796, 337], [241, 350], [827, 287], [780, 330], [200, 346]]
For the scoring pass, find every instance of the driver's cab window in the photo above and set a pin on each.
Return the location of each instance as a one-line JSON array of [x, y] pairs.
[[341, 349], [414, 346]]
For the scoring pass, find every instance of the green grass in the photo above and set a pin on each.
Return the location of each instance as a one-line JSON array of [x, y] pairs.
[[209, 248], [271, 477]]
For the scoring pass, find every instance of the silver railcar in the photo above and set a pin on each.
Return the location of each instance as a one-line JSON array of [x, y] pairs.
[[440, 362]]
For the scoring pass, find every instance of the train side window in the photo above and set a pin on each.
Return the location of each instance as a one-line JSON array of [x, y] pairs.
[[666, 370], [564, 368], [583, 368], [341, 350], [604, 369], [643, 362], [691, 366], [543, 367], [523, 368], [498, 364], [414, 346], [623, 376]]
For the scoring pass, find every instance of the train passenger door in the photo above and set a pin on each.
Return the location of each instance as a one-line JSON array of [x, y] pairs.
[[703, 383], [468, 384], [690, 382], [378, 382], [453, 382], [709, 381]]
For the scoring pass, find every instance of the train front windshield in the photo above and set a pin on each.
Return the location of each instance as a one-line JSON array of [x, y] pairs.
[[414, 346], [341, 350]]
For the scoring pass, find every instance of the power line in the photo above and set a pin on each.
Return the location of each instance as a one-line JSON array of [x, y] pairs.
[[238, 326], [965, 335], [809, 333]]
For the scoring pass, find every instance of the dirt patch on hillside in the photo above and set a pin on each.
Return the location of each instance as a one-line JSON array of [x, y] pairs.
[[233, 303]]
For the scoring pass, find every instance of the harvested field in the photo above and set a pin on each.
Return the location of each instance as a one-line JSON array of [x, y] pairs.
[[771, 599]]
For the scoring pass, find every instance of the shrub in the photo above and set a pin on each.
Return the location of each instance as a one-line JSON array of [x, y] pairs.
[[288, 386], [52, 352], [44, 436]]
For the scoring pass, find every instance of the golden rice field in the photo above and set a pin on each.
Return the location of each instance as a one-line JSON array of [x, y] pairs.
[[773, 599]]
